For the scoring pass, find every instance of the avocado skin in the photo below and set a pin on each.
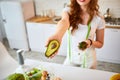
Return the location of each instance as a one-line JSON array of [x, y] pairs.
[[53, 46], [82, 45], [16, 76]]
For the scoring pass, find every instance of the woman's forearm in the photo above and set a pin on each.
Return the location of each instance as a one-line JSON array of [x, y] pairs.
[[97, 44], [62, 26]]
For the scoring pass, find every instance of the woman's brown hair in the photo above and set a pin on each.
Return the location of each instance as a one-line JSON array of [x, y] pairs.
[[76, 12]]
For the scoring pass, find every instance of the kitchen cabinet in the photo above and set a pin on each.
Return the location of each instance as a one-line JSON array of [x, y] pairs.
[[14, 14], [110, 51], [1, 28], [1, 38], [38, 34]]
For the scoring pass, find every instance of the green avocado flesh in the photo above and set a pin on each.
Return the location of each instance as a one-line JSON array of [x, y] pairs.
[[53, 46], [82, 45], [16, 76]]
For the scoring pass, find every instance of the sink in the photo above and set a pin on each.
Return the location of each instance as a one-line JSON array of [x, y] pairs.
[[56, 19]]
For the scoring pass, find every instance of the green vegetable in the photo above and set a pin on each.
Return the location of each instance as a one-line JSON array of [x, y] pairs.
[[16, 76], [82, 45], [34, 74], [53, 46]]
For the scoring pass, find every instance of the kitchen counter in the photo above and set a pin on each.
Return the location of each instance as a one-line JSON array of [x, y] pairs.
[[38, 19], [47, 20], [68, 72], [113, 26]]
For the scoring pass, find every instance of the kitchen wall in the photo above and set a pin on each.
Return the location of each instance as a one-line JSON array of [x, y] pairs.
[[114, 6], [58, 5]]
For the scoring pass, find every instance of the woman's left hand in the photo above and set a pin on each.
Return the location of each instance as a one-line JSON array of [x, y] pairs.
[[88, 42]]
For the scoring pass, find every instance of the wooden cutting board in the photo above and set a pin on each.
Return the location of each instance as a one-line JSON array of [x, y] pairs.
[[39, 19]]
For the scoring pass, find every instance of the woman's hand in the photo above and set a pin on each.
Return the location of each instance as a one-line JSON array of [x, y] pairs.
[[62, 26], [89, 42], [56, 37]]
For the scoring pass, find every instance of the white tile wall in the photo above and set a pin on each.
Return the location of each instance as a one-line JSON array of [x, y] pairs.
[[114, 6], [58, 5]]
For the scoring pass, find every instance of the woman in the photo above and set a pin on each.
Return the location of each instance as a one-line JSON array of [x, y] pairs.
[[78, 15]]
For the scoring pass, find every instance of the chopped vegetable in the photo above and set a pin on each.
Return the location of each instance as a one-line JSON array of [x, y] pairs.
[[16, 76]]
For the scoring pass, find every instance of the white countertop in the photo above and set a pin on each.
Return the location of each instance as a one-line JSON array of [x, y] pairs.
[[112, 25], [71, 73], [38, 19]]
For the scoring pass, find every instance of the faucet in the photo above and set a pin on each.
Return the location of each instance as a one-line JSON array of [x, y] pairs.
[[65, 4]]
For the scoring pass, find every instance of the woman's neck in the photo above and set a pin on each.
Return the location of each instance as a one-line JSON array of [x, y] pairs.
[[85, 16], [84, 8]]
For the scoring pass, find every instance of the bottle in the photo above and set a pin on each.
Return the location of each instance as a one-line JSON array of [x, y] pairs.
[[20, 57], [107, 15], [20, 61]]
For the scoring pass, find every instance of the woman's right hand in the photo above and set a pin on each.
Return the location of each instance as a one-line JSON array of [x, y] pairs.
[[53, 37]]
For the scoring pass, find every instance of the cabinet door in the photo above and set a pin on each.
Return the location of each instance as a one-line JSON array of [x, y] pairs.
[[110, 51], [38, 34], [12, 18], [35, 36], [14, 24]]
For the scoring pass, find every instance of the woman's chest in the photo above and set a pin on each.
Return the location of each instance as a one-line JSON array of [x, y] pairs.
[[82, 31]]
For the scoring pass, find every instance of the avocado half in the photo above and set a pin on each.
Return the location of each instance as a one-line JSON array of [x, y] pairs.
[[82, 45], [53, 46]]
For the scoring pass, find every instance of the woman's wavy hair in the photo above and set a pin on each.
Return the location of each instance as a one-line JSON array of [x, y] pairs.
[[76, 12]]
